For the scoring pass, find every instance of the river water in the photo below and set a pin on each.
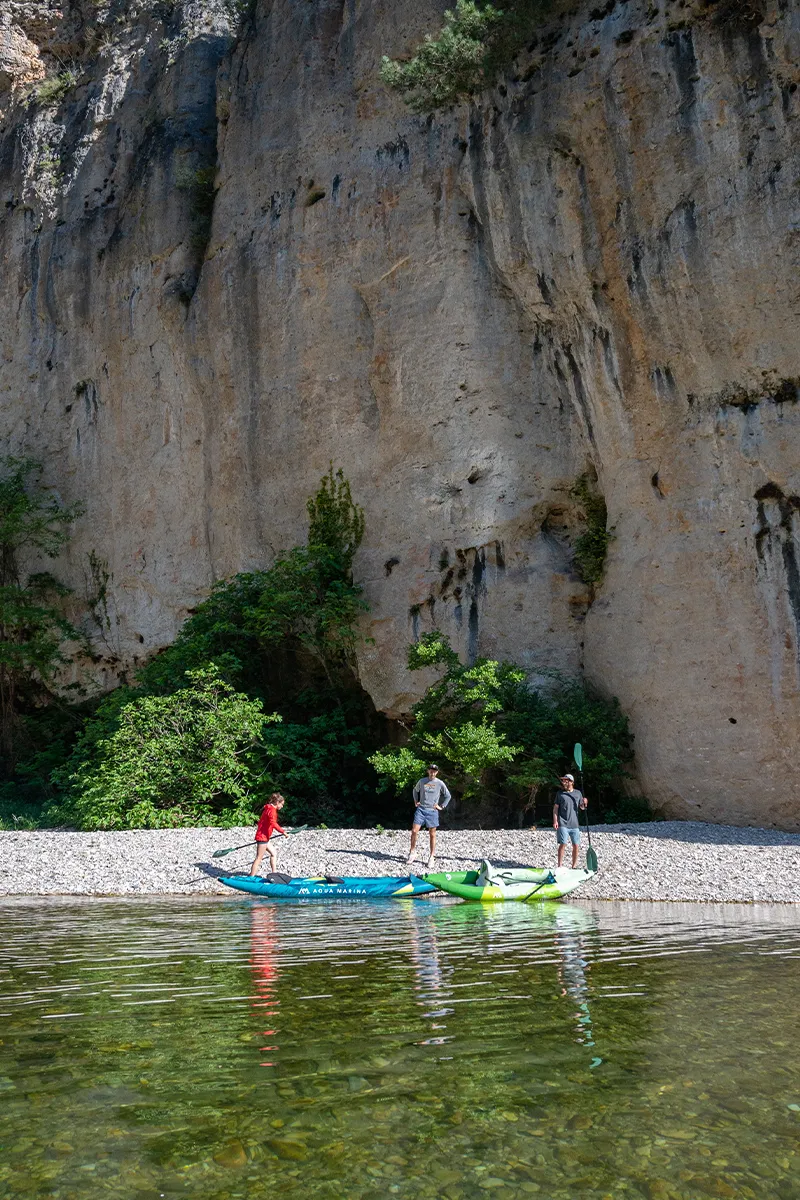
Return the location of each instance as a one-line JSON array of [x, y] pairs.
[[233, 1049]]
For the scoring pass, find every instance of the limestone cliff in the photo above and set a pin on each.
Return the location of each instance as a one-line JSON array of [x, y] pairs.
[[230, 256]]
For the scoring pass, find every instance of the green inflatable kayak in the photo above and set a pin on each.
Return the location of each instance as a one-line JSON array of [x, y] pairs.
[[501, 883]]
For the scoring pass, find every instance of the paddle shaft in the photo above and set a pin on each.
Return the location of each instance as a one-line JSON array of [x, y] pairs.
[[535, 890], [591, 857], [289, 833], [586, 810]]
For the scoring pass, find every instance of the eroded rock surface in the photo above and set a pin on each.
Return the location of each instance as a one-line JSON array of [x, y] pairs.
[[230, 256]]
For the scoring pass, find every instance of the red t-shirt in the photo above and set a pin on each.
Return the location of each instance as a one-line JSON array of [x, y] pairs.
[[268, 823]]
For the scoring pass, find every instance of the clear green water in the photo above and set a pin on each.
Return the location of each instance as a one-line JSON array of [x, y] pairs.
[[234, 1049]]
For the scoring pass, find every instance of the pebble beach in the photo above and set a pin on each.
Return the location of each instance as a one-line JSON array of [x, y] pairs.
[[659, 861]]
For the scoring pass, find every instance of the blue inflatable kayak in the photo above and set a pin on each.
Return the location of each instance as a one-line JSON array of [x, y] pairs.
[[353, 887]]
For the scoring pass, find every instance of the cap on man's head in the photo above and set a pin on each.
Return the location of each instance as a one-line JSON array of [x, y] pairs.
[[572, 777], [432, 767]]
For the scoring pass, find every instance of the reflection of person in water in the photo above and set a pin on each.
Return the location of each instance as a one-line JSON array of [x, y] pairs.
[[431, 982], [263, 962], [573, 967]]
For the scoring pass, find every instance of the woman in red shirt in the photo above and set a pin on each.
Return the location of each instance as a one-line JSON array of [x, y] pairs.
[[266, 827]]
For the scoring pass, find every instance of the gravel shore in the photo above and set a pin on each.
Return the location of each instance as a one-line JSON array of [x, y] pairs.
[[670, 860]]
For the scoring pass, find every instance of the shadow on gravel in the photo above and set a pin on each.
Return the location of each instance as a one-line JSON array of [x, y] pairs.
[[213, 872], [419, 864], [701, 833], [377, 855]]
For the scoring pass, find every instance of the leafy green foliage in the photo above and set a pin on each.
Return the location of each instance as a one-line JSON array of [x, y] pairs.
[[455, 721], [309, 597], [402, 768], [500, 742], [476, 42], [308, 600], [33, 630], [284, 637], [54, 88], [45, 739], [181, 759], [474, 746], [591, 547], [199, 185], [319, 760], [548, 726]]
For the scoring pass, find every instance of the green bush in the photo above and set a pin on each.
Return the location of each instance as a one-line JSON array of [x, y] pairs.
[[591, 547], [477, 41], [499, 742], [54, 88], [285, 638], [181, 759]]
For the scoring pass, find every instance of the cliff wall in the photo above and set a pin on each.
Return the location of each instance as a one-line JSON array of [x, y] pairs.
[[231, 256]]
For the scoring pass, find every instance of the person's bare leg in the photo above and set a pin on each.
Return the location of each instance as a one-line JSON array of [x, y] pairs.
[[414, 831], [561, 850], [432, 834], [574, 855], [273, 858], [261, 850]]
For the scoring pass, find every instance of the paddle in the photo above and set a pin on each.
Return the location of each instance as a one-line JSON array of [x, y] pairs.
[[591, 857], [244, 845], [550, 879]]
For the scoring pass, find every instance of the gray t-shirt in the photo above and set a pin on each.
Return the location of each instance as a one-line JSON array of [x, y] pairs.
[[430, 792], [568, 804]]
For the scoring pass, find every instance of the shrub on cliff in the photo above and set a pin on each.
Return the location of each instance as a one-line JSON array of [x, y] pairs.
[[306, 604], [501, 743], [591, 546], [476, 42]]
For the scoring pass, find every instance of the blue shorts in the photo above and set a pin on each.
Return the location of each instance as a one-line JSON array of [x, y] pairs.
[[565, 836], [426, 817]]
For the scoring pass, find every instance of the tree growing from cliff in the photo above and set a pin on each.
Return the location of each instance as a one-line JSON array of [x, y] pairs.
[[33, 525], [499, 741], [591, 546], [309, 597], [477, 41], [455, 721]]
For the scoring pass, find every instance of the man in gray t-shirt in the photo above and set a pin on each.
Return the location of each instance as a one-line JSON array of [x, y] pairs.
[[431, 795], [568, 803]]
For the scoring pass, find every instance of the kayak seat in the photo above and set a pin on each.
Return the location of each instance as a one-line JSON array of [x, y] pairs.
[[277, 877], [333, 879]]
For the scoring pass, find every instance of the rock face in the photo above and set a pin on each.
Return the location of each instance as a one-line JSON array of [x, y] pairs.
[[230, 256]]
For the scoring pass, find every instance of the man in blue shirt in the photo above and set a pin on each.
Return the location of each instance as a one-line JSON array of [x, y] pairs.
[[569, 801], [431, 795]]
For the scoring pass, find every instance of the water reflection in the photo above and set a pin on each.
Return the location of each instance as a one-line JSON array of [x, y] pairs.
[[571, 926], [240, 1049], [264, 963]]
